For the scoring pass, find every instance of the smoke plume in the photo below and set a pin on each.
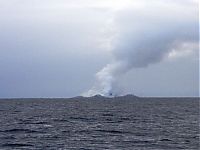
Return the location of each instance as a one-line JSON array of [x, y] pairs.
[[146, 36]]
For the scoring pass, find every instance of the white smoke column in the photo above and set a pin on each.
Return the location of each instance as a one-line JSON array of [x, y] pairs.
[[147, 35], [105, 79]]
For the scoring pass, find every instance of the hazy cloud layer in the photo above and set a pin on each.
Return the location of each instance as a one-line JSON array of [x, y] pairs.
[[53, 48]]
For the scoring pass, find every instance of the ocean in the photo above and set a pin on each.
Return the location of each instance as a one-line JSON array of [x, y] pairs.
[[98, 123]]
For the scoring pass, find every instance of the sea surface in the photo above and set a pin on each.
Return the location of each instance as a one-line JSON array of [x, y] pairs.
[[99, 123]]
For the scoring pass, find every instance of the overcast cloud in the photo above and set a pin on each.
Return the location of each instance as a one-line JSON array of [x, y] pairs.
[[63, 48]]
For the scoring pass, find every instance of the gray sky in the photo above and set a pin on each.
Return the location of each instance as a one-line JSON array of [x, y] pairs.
[[65, 48]]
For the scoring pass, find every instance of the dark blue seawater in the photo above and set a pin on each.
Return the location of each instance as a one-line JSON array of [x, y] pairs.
[[98, 124]]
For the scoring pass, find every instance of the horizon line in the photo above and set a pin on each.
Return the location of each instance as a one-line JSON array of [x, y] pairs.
[[1, 98]]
